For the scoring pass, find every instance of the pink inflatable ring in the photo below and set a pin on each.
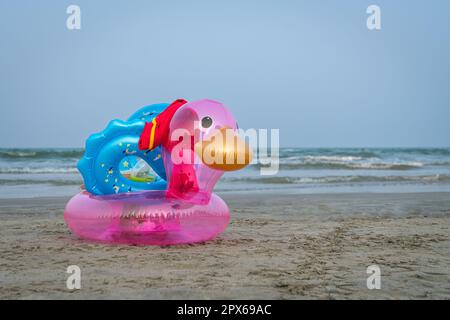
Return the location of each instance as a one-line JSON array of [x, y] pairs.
[[145, 218]]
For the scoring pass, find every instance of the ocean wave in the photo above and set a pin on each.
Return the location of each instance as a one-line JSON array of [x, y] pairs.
[[386, 165], [341, 152], [342, 179], [332, 158], [309, 158], [38, 170], [17, 154], [382, 159], [347, 165], [53, 182], [440, 163], [23, 154], [420, 151], [365, 152]]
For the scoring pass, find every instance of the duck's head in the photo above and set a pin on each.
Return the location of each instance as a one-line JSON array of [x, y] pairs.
[[199, 144], [208, 127]]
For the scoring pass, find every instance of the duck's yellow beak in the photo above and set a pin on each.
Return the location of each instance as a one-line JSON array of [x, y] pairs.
[[224, 150]]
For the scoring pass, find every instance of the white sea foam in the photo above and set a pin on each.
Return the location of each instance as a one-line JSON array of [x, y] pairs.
[[332, 158], [342, 179], [27, 170]]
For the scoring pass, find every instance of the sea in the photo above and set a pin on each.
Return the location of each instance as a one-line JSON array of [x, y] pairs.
[[27, 173]]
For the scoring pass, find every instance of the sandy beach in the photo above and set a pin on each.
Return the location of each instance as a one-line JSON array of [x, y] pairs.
[[276, 247]]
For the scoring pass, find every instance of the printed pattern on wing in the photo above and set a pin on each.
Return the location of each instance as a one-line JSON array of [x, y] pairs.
[[101, 163]]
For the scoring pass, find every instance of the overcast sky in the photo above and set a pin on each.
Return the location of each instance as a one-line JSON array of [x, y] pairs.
[[310, 68]]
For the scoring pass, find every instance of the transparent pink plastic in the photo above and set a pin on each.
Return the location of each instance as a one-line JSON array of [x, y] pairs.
[[186, 212], [147, 218]]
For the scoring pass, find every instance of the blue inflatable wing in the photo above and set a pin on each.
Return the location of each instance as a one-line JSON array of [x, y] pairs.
[[110, 152]]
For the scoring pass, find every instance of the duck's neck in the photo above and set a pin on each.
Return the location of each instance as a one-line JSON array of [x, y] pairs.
[[196, 197]]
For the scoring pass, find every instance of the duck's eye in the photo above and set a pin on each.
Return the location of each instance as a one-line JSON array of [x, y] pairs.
[[206, 122]]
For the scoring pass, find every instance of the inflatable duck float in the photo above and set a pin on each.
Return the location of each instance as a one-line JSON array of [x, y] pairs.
[[188, 146]]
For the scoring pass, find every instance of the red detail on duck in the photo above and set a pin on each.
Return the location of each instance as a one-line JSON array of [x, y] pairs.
[[156, 133], [183, 179]]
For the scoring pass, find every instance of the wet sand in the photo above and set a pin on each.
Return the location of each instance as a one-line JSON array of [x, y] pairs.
[[276, 247]]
